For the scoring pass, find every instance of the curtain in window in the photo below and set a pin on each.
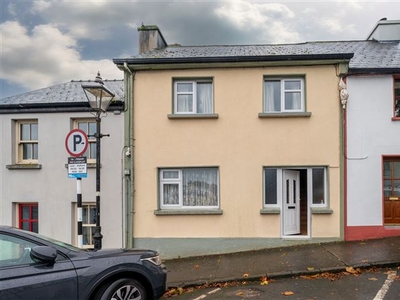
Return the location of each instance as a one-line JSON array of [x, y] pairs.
[[272, 96], [200, 187], [292, 101], [184, 101], [171, 194], [204, 98]]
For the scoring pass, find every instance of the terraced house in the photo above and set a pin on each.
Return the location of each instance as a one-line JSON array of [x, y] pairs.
[[220, 148], [35, 191], [234, 147]]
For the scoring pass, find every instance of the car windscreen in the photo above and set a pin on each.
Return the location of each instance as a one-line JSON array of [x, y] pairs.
[[58, 243]]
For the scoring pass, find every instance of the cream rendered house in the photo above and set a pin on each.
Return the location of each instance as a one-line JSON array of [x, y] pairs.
[[232, 147]]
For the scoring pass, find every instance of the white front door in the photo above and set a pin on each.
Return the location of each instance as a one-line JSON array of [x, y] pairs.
[[291, 202]]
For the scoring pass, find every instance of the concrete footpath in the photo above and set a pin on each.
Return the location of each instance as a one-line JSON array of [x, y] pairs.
[[286, 261]]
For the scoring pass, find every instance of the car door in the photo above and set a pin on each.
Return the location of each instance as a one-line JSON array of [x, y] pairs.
[[23, 278]]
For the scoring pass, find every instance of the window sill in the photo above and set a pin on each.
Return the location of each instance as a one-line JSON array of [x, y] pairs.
[[321, 210], [270, 211], [24, 167], [395, 118], [285, 115], [171, 212], [193, 116]]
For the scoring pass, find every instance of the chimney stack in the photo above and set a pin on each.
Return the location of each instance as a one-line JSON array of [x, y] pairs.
[[150, 38]]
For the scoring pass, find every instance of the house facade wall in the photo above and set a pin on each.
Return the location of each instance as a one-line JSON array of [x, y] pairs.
[[240, 144], [50, 187], [371, 134]]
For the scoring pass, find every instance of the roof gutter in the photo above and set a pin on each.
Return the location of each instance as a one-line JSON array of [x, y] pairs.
[[23, 108], [360, 71], [161, 63]]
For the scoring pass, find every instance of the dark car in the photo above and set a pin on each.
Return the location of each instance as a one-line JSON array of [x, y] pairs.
[[36, 267]]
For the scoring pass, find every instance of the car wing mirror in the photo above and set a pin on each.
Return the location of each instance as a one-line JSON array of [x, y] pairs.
[[44, 254]]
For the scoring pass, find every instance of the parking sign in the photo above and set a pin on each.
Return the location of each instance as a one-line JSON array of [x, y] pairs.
[[76, 142]]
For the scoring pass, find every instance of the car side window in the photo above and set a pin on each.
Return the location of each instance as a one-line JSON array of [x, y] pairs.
[[14, 251]]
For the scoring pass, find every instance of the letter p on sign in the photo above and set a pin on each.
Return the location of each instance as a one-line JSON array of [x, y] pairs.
[[76, 142]]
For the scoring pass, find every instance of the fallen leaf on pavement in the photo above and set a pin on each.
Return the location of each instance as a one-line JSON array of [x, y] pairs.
[[245, 275], [288, 293], [373, 278], [310, 269], [264, 280], [351, 270], [196, 267]]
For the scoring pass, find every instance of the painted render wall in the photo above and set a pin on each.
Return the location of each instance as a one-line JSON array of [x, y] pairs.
[[370, 133], [51, 187], [240, 144]]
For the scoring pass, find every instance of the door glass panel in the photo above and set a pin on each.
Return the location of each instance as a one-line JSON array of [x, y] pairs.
[[396, 187], [287, 190], [396, 169], [387, 173], [387, 188], [294, 191]]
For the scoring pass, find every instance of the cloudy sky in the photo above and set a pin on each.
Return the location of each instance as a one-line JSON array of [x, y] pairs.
[[47, 42]]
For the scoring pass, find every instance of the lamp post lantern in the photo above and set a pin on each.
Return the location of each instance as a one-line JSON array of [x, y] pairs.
[[99, 98]]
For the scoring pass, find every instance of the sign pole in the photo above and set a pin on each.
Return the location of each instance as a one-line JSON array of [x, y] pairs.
[[76, 144], [79, 210]]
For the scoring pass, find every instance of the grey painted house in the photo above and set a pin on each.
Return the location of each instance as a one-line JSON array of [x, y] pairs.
[[35, 191]]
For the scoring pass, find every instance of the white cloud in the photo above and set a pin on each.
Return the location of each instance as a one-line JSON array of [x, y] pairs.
[[270, 20], [46, 56]]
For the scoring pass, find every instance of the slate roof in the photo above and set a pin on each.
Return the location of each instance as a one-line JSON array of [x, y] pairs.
[[367, 54], [61, 94]]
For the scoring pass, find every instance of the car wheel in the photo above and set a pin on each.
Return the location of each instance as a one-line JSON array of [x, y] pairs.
[[124, 289]]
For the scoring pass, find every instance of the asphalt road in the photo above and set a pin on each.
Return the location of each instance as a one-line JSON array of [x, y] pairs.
[[374, 284]]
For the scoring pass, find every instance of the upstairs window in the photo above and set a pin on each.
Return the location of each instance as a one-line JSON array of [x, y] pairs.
[[27, 141], [89, 127], [396, 93], [283, 95], [193, 96]]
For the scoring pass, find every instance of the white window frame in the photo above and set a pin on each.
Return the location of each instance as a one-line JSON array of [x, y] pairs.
[[283, 94], [279, 182], [193, 93], [75, 225], [20, 142], [91, 138], [179, 181]]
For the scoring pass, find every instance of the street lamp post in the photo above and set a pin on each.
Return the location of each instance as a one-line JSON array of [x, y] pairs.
[[99, 98]]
